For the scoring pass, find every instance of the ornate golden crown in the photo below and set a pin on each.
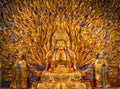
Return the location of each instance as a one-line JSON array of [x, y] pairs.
[[60, 34]]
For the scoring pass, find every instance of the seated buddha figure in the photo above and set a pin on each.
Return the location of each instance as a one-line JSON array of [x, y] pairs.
[[61, 58], [61, 65], [61, 71]]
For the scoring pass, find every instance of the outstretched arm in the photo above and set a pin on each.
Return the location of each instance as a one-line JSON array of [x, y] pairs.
[[48, 60], [48, 54]]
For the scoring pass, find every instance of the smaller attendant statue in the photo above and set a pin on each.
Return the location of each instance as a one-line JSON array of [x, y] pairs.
[[101, 72], [20, 74]]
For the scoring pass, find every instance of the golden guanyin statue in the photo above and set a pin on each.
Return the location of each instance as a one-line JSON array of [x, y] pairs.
[[61, 57], [61, 67], [61, 72]]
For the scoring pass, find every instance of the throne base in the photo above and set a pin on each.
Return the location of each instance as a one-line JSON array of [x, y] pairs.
[[59, 85]]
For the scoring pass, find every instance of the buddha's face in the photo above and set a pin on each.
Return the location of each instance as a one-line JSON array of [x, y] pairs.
[[60, 44]]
